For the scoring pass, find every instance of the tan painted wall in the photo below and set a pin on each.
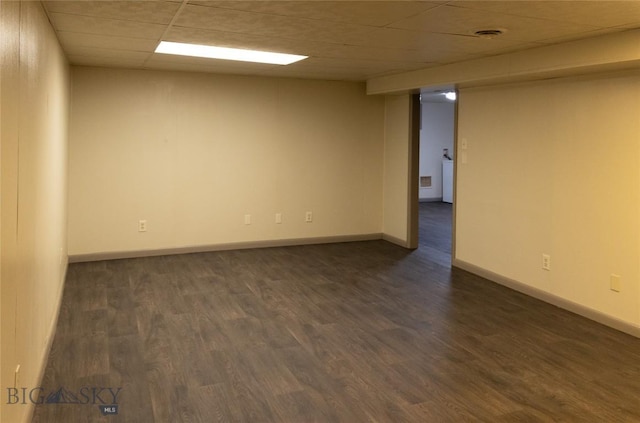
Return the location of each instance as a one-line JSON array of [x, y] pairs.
[[193, 153], [396, 166], [554, 167], [33, 139]]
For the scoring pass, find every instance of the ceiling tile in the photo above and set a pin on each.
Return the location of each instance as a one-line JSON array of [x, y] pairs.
[[107, 53], [595, 13], [160, 57], [73, 39], [344, 69], [327, 68], [372, 13], [367, 67], [105, 62], [198, 64], [441, 45], [160, 12], [101, 26], [319, 75], [235, 40], [579, 36], [194, 16], [460, 20], [315, 49], [427, 54]]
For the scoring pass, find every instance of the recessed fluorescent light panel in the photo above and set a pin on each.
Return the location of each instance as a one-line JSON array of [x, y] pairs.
[[225, 53]]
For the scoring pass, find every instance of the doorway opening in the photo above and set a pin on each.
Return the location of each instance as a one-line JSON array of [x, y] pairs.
[[436, 170]]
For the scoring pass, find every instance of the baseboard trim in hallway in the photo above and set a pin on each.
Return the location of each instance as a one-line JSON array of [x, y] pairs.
[[552, 299], [114, 255]]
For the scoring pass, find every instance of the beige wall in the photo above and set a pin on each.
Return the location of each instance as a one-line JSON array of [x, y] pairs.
[[554, 167], [396, 167], [193, 153], [33, 139]]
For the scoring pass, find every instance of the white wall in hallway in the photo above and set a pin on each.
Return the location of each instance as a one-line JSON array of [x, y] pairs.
[[436, 134]]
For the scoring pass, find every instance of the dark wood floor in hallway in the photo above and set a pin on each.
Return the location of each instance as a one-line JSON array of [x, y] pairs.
[[354, 332]]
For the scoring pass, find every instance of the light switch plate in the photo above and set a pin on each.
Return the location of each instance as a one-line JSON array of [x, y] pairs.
[[615, 283]]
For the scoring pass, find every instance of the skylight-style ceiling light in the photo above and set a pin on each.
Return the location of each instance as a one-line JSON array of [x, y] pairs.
[[225, 53]]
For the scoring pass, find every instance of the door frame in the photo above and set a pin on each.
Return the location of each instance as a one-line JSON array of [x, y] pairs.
[[413, 217]]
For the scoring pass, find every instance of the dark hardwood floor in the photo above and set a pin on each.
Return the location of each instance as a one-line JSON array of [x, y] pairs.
[[435, 231], [355, 332]]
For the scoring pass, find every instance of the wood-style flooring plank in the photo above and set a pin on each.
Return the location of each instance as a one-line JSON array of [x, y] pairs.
[[354, 332]]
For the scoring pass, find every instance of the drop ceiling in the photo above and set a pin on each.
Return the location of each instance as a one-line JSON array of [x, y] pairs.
[[345, 40]]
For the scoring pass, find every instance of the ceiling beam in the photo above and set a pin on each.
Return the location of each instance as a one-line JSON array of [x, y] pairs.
[[619, 51]]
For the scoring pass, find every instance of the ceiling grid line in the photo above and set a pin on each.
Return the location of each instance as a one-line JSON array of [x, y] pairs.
[[167, 29]]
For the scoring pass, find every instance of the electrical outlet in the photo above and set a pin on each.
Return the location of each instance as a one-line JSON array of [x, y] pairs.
[[614, 283], [308, 217], [142, 226], [247, 219], [278, 217], [546, 262]]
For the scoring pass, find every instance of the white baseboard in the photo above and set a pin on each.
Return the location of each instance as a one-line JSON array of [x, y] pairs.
[[547, 297]]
